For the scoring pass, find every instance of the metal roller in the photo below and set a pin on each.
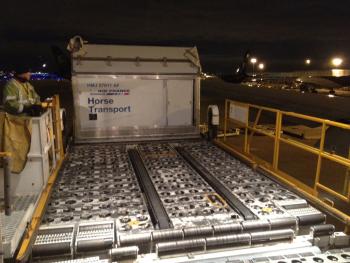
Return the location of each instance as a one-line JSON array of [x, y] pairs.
[[306, 220], [180, 247], [124, 253], [166, 235], [322, 230], [51, 249], [227, 228], [227, 241], [94, 237], [93, 259], [94, 244], [256, 225], [273, 235], [203, 231], [54, 241], [142, 240], [134, 239], [284, 222]]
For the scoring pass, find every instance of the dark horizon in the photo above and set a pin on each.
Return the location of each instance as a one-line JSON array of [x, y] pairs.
[[282, 34]]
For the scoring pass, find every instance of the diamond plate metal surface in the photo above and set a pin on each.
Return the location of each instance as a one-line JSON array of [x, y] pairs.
[[13, 226]]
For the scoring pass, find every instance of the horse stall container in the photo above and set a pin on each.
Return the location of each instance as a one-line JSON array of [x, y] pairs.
[[125, 93]]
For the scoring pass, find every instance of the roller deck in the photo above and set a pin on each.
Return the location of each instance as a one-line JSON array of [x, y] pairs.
[[96, 183], [123, 200]]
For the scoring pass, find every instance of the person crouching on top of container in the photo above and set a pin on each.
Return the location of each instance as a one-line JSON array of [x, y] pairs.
[[19, 96]]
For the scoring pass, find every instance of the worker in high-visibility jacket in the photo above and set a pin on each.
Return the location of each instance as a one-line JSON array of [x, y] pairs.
[[19, 96]]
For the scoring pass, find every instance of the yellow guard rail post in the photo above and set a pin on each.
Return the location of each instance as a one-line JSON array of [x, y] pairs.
[[6, 158], [28, 239], [273, 168]]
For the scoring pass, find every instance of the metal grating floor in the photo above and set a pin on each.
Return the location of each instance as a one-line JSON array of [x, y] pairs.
[[14, 225]]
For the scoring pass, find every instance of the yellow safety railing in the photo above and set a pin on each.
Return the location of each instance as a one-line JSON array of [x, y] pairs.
[[5, 157], [238, 113]]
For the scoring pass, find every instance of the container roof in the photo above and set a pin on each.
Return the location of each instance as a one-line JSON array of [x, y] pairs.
[[136, 59]]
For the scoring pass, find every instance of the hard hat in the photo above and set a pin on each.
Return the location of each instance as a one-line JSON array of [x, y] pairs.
[[21, 68]]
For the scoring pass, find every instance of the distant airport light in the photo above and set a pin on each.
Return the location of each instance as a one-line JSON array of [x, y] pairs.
[[338, 72], [207, 75], [261, 66], [44, 65], [337, 62], [253, 61], [308, 61]]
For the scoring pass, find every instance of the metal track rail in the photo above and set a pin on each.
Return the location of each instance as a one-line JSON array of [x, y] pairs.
[[155, 204], [187, 198], [231, 200]]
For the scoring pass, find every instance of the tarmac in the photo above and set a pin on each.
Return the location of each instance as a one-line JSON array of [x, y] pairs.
[[215, 90]]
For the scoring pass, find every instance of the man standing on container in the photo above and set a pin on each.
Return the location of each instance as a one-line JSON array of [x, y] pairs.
[[19, 96]]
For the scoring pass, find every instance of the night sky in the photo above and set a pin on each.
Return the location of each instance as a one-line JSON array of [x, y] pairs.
[[280, 33]]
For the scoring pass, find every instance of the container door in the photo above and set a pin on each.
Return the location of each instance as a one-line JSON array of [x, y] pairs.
[[180, 102]]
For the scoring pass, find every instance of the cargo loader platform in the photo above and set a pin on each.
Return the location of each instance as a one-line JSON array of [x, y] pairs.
[[141, 186], [102, 204]]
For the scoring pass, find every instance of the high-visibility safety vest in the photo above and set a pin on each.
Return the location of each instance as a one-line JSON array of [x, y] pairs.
[[18, 95]]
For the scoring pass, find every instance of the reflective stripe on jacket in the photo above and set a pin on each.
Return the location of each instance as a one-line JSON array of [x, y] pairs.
[[17, 95]]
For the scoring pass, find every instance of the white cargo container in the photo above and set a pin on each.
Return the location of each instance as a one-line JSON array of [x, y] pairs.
[[135, 92]]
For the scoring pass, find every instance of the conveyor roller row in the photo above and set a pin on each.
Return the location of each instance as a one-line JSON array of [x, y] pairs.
[[147, 241], [235, 240], [87, 237]]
